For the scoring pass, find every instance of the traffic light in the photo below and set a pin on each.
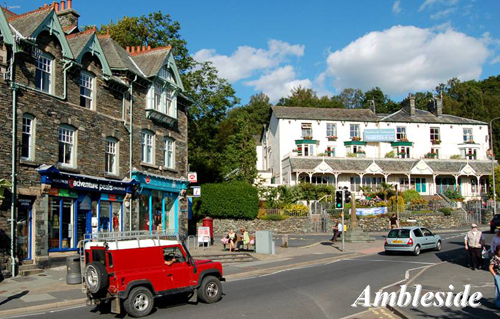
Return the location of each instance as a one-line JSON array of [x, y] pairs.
[[338, 200], [347, 196]]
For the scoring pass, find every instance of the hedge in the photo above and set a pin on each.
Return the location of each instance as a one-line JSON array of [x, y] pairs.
[[236, 200]]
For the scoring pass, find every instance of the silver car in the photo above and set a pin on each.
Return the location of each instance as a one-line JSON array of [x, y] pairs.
[[411, 239]]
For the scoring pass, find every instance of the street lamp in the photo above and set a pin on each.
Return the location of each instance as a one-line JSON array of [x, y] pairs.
[[493, 165]]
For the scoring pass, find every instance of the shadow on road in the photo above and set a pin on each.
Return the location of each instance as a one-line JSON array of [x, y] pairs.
[[486, 310], [16, 296]]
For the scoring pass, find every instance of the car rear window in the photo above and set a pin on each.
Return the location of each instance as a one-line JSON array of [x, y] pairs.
[[399, 233], [99, 255]]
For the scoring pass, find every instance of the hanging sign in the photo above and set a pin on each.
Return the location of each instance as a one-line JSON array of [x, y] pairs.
[[196, 191], [193, 177]]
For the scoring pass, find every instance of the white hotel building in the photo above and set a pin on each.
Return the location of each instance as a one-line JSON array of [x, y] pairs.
[[353, 148]]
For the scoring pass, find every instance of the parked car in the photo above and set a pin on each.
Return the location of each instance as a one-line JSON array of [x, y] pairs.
[[495, 223], [133, 272], [411, 239]]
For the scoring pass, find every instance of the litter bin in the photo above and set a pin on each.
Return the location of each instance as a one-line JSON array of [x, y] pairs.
[[74, 273]]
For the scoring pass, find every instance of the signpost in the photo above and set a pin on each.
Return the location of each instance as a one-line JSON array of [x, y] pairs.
[[193, 177], [196, 191]]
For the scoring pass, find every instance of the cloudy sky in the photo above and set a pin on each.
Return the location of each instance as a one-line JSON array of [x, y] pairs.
[[273, 46]]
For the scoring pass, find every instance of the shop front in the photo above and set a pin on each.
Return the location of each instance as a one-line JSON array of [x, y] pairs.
[[158, 202], [80, 204]]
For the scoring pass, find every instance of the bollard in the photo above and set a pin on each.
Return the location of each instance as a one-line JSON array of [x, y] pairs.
[[74, 274], [284, 241]]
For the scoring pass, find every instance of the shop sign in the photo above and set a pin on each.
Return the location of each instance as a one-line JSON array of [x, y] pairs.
[[193, 177], [112, 197], [61, 192], [203, 234], [83, 184], [148, 179], [379, 135], [25, 202]]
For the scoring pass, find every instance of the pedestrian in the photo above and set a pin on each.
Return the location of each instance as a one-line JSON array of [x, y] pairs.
[[335, 229], [394, 222], [340, 230], [474, 243], [233, 237], [494, 269], [495, 242]]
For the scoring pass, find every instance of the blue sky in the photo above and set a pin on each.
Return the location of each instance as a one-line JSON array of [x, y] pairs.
[[401, 46]]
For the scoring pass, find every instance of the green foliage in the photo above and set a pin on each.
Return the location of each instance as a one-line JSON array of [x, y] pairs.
[[456, 157], [305, 97], [410, 195], [381, 204], [385, 191], [352, 155], [423, 211], [418, 203], [296, 210], [393, 205], [274, 217], [390, 154], [383, 104], [446, 211], [283, 195], [237, 200], [497, 183], [453, 194]]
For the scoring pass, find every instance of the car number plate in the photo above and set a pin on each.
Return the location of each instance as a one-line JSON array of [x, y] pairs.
[[397, 241]]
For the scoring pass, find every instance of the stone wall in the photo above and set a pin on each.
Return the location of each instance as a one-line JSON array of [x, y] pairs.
[[431, 221], [290, 225]]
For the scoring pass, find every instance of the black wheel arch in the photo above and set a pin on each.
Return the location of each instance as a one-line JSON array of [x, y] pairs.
[[136, 283], [209, 272]]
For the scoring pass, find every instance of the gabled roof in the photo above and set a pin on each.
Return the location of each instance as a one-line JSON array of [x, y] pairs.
[[423, 116], [88, 42], [151, 61], [8, 14], [117, 57], [28, 22], [4, 28], [311, 113]]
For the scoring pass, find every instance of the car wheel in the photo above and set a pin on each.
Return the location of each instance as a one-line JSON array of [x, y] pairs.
[[96, 277], [210, 290], [389, 252], [416, 252], [438, 246], [139, 303]]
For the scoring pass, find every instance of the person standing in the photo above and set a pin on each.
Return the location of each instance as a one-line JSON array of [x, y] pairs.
[[335, 229], [340, 230], [494, 269], [474, 243], [394, 222]]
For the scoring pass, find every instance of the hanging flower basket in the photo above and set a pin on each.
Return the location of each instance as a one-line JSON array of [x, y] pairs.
[[356, 138], [436, 142], [332, 138]]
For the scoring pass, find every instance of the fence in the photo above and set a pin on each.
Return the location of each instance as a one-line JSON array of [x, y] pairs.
[[285, 212]]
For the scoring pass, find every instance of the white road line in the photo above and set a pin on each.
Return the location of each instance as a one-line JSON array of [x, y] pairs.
[[27, 315], [75, 307], [392, 261], [407, 276]]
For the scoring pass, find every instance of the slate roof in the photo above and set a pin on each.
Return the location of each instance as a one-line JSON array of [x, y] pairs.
[[78, 41], [388, 165], [151, 61], [423, 116], [117, 57], [28, 22], [312, 113], [8, 14]]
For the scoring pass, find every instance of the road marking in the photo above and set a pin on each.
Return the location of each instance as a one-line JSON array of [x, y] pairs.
[[27, 315], [75, 307], [394, 261]]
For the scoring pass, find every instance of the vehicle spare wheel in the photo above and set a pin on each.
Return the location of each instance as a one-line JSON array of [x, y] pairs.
[[96, 277]]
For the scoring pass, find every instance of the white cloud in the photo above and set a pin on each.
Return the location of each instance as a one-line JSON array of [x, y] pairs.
[[396, 7], [443, 14], [495, 60], [403, 59], [246, 60], [431, 3], [279, 83]]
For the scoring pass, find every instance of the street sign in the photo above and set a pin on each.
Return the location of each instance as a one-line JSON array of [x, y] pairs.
[[193, 177], [196, 191]]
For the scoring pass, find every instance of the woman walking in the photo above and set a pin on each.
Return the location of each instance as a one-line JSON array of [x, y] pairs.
[[495, 271]]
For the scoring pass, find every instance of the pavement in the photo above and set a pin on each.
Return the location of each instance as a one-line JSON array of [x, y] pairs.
[[49, 291]]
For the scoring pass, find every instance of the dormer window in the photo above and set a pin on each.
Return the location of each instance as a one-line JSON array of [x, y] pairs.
[[43, 74], [166, 74], [162, 99]]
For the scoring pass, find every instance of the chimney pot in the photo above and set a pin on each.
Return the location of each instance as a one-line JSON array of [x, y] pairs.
[[63, 5], [56, 7], [143, 48], [138, 48], [45, 5], [149, 47], [128, 49], [69, 4], [133, 50]]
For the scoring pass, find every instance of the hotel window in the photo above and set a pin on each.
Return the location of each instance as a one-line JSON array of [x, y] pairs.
[[330, 151], [434, 135], [354, 131], [86, 90], [468, 135], [66, 146], [27, 151], [330, 130], [307, 150], [169, 153], [435, 151], [157, 97], [148, 141], [306, 131], [111, 155], [401, 133], [171, 103], [469, 153], [43, 74], [402, 151]]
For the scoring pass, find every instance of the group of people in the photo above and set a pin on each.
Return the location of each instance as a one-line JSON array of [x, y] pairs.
[[236, 242], [476, 248]]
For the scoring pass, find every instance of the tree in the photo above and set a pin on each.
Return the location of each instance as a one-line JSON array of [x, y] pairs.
[[352, 98], [304, 97], [383, 104]]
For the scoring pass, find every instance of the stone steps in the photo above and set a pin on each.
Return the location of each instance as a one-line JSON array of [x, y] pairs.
[[227, 258], [27, 269]]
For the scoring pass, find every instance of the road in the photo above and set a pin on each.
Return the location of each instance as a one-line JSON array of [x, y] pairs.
[[325, 291]]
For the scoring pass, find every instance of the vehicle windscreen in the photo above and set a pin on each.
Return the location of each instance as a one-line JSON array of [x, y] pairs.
[[399, 233]]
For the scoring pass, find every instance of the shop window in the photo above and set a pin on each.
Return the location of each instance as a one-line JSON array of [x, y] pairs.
[[148, 140], [169, 150], [111, 156], [86, 90], [61, 223], [66, 146], [159, 207], [43, 73], [27, 149]]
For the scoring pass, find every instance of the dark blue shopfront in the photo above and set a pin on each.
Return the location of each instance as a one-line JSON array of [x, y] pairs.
[[80, 204]]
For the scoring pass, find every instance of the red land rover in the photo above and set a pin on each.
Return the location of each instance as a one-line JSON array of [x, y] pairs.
[[133, 272]]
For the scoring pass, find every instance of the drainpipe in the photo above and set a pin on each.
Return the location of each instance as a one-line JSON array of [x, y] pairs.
[[13, 87], [67, 65], [131, 90]]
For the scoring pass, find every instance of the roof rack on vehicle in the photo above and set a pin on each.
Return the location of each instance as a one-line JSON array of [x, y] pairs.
[[131, 235]]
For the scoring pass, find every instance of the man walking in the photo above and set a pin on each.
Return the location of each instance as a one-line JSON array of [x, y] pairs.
[[474, 243], [340, 230]]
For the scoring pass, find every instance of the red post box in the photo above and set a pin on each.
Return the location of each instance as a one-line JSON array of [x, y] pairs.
[[209, 222]]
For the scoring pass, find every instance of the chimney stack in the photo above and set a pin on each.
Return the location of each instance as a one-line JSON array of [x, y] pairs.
[[409, 104], [435, 106], [63, 5], [67, 16]]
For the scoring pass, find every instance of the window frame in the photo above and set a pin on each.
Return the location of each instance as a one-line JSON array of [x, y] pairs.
[[306, 130], [436, 133], [39, 82], [91, 97], [354, 128], [116, 148], [31, 138], [72, 159], [169, 153], [401, 133], [144, 147], [468, 136], [331, 129]]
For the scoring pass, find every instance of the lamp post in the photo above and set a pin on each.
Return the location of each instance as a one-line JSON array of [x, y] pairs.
[[493, 165]]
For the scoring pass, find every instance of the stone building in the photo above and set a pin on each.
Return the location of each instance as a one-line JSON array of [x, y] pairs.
[[100, 135], [412, 148]]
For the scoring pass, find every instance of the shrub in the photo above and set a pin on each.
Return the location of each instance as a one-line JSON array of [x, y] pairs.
[[418, 203], [296, 210], [453, 194], [238, 200], [446, 211], [381, 204], [410, 195], [456, 157], [274, 217], [392, 206], [262, 213], [352, 155], [390, 154], [423, 211]]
